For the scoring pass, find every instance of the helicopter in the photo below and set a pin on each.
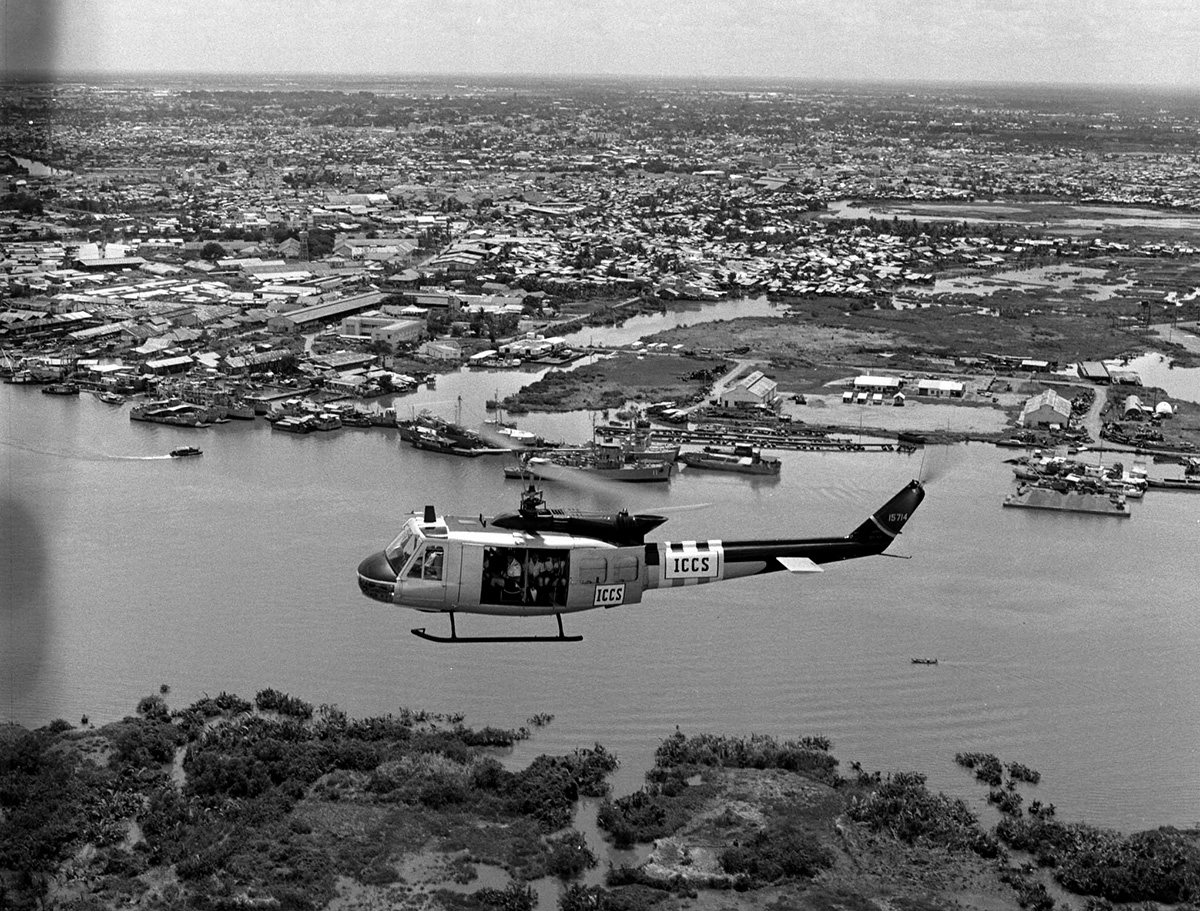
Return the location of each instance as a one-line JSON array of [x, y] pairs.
[[539, 561]]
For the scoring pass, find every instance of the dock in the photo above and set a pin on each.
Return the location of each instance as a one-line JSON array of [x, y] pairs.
[[1096, 504], [781, 436]]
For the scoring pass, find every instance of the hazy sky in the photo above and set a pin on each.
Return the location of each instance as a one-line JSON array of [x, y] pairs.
[[1127, 42]]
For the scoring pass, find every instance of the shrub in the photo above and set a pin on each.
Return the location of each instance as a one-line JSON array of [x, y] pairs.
[[1019, 772], [145, 743], [808, 755], [545, 790], [903, 806], [154, 708], [270, 700], [776, 853], [1006, 801], [586, 898], [513, 897], [569, 855], [648, 814], [1161, 865], [986, 766]]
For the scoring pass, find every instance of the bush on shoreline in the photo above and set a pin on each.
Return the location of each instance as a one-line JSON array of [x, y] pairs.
[[1161, 865], [904, 807], [232, 824]]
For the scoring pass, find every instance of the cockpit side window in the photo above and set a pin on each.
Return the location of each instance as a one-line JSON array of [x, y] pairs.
[[428, 565]]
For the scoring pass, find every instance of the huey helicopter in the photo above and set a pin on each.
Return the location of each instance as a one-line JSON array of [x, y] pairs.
[[540, 561]]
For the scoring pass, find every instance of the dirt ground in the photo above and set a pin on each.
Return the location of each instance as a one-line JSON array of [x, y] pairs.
[[972, 416]]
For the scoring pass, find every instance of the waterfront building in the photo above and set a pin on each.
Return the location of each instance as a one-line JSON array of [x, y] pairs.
[[754, 389], [1046, 409]]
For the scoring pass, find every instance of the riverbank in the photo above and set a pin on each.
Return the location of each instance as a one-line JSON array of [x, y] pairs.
[[273, 803], [814, 354]]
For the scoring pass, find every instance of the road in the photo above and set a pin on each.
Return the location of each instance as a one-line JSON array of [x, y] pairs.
[[1092, 421], [730, 377]]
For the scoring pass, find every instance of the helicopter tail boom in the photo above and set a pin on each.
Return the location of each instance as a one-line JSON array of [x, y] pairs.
[[718, 560]]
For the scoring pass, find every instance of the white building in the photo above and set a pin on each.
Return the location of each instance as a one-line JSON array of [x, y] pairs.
[[1046, 409], [444, 350], [887, 385], [753, 389], [941, 388]]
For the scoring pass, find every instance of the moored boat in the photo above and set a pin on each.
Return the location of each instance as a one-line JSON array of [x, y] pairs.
[[295, 423], [603, 461], [638, 444], [326, 420], [743, 459], [111, 398], [171, 411], [1184, 483], [429, 432], [432, 440], [60, 389]]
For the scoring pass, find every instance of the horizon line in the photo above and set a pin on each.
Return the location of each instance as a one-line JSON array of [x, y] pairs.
[[86, 76]]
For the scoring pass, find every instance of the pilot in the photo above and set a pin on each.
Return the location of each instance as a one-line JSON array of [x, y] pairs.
[[433, 563]]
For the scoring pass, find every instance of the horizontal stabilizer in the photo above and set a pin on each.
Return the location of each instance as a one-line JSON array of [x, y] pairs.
[[799, 565]]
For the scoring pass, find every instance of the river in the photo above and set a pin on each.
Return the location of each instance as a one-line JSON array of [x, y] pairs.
[[37, 168], [1064, 642]]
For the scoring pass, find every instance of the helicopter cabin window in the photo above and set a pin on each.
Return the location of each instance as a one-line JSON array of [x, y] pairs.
[[428, 565], [625, 569], [400, 551], [593, 570], [525, 575]]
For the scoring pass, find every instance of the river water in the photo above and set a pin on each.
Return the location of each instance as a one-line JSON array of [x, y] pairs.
[[1064, 642]]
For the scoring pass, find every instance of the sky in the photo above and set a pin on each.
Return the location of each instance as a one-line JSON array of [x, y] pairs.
[[1104, 42]]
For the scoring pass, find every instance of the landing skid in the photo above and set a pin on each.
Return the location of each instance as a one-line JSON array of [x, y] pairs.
[[455, 637]]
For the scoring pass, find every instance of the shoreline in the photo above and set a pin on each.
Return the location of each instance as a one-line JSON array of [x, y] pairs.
[[724, 822]]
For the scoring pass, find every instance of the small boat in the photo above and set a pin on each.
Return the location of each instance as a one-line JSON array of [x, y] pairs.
[[924, 661], [327, 420], [111, 398], [184, 451], [60, 389], [1184, 483], [303, 423]]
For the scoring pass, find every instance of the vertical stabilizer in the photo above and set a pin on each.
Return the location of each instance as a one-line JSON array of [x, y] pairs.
[[879, 530]]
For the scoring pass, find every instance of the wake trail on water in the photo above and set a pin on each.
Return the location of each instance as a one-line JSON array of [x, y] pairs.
[[84, 456]]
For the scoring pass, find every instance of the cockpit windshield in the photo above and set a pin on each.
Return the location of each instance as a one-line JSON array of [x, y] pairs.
[[400, 551]]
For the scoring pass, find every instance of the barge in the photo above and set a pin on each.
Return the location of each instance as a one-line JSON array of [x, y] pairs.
[[1097, 504]]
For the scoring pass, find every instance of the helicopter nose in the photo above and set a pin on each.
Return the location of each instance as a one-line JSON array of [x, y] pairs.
[[376, 578]]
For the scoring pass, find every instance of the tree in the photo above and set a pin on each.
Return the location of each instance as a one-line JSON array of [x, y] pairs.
[[212, 251]]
